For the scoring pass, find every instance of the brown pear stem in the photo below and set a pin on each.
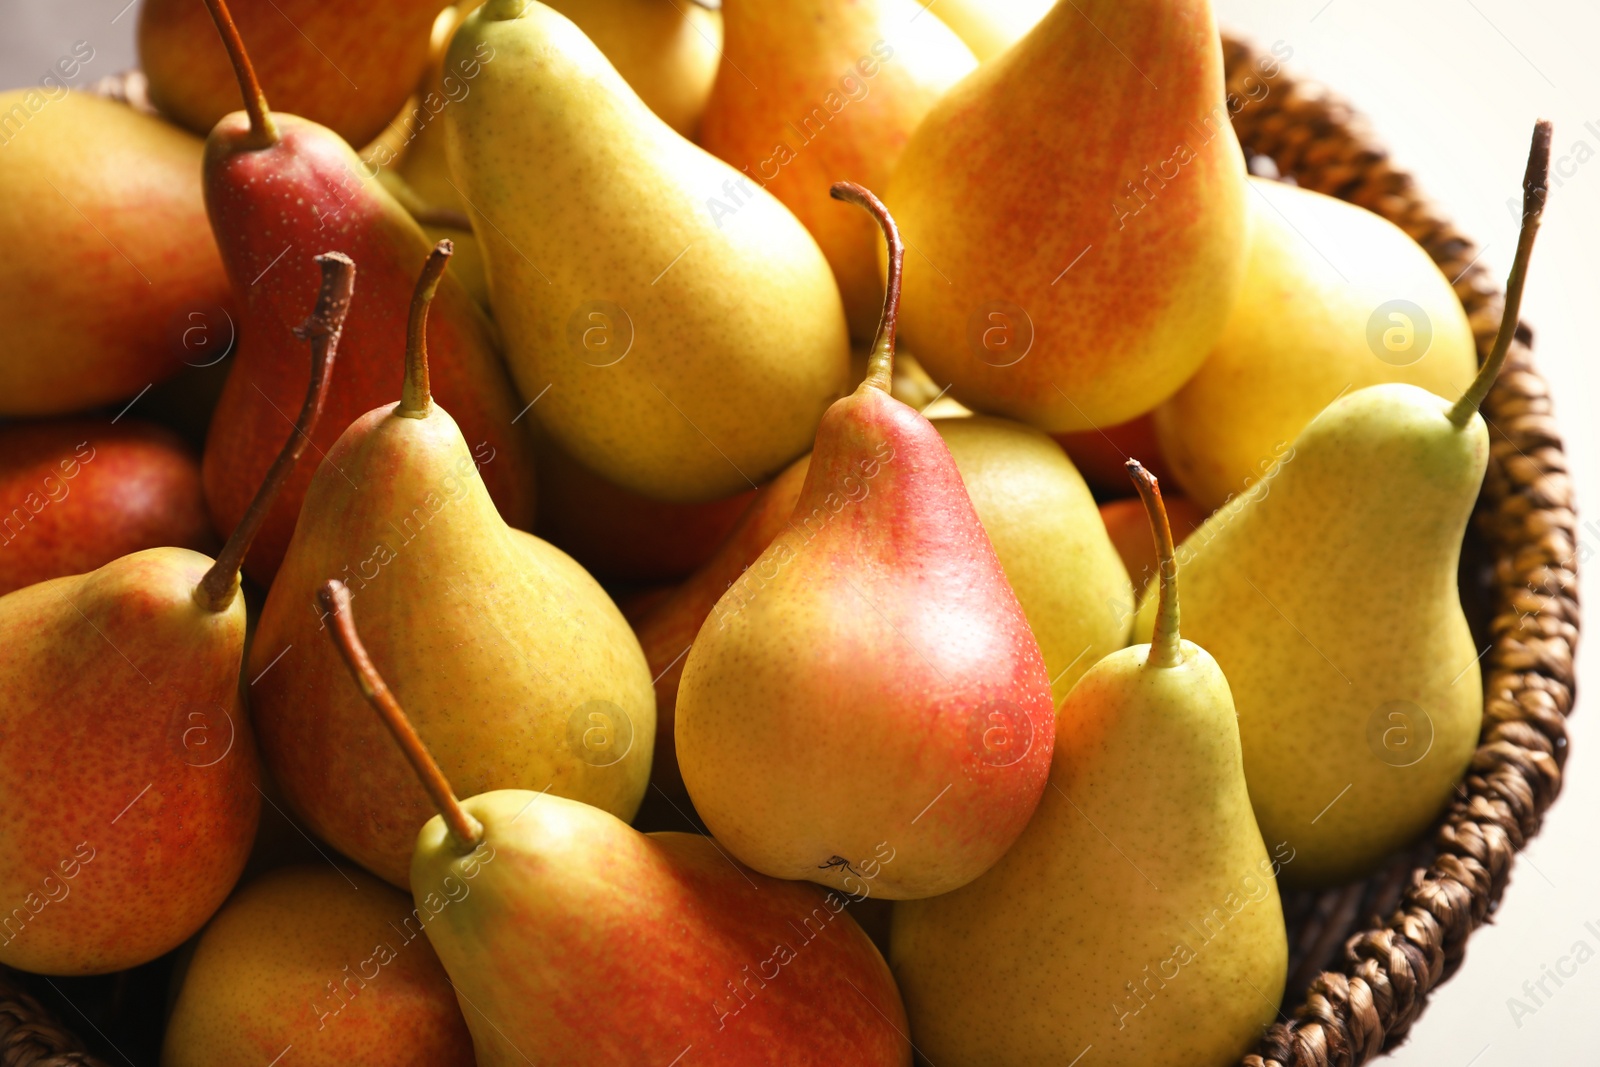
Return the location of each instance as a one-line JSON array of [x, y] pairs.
[[465, 830], [221, 583], [1535, 188], [1165, 650], [263, 131], [416, 399], [880, 364]]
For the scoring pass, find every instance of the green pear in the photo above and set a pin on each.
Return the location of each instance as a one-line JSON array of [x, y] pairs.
[[677, 354], [529, 675], [1138, 914], [1328, 593], [1335, 298], [573, 940]]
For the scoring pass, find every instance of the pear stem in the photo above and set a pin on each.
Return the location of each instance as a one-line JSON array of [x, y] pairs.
[[880, 364], [416, 399], [221, 583], [1535, 188], [1165, 650], [263, 131], [465, 830]]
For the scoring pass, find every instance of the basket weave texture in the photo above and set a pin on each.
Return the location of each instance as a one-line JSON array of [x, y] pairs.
[[1405, 930]]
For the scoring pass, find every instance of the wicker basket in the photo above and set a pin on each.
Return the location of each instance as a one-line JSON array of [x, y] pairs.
[[1365, 957]]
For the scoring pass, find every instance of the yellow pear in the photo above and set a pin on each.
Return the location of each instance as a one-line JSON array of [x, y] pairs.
[[989, 27], [1137, 915], [1335, 298]]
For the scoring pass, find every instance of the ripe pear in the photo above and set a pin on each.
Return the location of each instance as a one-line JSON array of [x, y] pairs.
[[327, 961], [341, 63], [1328, 593], [1138, 914], [527, 674], [114, 195], [575, 941], [1335, 298], [277, 187], [678, 357], [1129, 529], [877, 680], [842, 83], [1078, 210], [119, 696], [83, 492], [989, 27]]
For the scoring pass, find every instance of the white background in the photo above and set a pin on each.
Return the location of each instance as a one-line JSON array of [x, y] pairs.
[[1453, 86]]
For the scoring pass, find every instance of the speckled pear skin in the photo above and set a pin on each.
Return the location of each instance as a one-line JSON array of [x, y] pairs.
[[1082, 202], [495, 640], [331, 962], [575, 941], [1138, 913], [873, 680], [1329, 593], [128, 776], [686, 357], [842, 83], [307, 195], [1318, 269]]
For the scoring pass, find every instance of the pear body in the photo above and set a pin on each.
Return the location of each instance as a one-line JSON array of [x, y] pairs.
[[277, 208], [686, 357], [114, 195], [871, 678], [1078, 232], [1328, 594], [989, 27], [1335, 298], [119, 692], [341, 63], [842, 85], [575, 941], [1138, 913], [518, 669], [331, 962]]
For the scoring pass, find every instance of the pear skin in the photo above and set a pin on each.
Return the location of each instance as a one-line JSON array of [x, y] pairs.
[[1335, 298], [989, 27], [329, 962], [678, 355], [1077, 207], [1328, 595], [842, 85], [575, 941]]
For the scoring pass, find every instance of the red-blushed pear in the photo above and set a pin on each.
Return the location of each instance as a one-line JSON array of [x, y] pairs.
[[328, 962], [119, 689], [842, 85], [346, 64], [114, 196], [1101, 455], [573, 940], [76, 494], [878, 682], [1138, 915], [277, 188], [1078, 209], [527, 674]]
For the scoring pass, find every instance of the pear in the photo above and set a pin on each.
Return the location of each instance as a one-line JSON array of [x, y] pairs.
[[1128, 527], [1328, 593], [677, 355], [874, 680], [329, 962], [989, 27], [1335, 298], [119, 689], [131, 277], [277, 187], [842, 83], [575, 941], [543, 686], [1078, 210], [1138, 914]]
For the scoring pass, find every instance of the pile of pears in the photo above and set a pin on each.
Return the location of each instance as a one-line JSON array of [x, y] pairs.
[[480, 581]]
